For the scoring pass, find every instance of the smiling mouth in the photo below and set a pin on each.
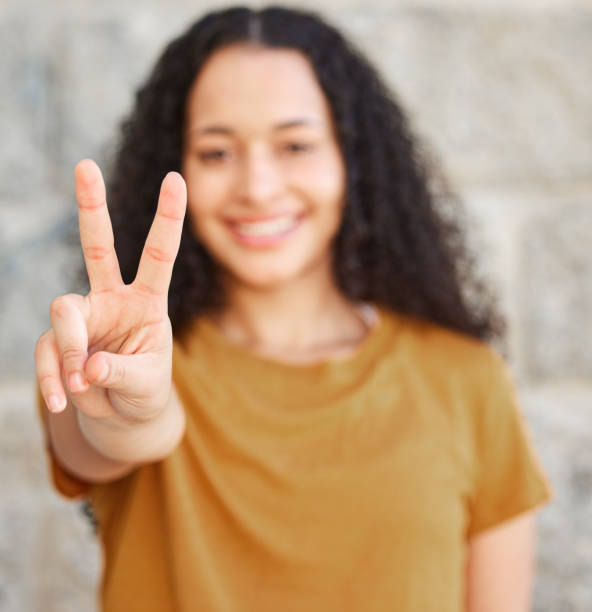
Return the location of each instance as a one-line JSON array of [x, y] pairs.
[[264, 233]]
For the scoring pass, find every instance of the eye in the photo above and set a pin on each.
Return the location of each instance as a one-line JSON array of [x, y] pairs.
[[213, 156], [293, 148]]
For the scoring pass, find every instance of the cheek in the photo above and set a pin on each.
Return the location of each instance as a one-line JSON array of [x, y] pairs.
[[327, 179], [329, 191], [320, 182], [201, 210], [203, 223], [205, 195]]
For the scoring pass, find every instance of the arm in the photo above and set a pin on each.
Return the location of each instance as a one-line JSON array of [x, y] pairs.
[[73, 452], [500, 567], [104, 367], [83, 459]]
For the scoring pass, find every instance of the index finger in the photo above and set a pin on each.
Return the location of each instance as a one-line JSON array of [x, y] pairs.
[[96, 233], [162, 244]]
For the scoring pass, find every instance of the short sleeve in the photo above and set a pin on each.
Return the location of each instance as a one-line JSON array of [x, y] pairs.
[[65, 483], [509, 477]]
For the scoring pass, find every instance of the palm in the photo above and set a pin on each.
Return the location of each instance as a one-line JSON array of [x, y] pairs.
[[127, 323], [120, 329]]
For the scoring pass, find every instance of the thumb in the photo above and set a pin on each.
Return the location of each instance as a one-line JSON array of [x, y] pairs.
[[131, 375]]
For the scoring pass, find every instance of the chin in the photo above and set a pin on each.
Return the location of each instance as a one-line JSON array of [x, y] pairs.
[[265, 279], [263, 283]]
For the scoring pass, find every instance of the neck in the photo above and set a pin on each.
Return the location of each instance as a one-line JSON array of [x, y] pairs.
[[303, 317]]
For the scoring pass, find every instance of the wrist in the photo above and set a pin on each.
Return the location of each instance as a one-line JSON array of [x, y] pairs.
[[145, 441]]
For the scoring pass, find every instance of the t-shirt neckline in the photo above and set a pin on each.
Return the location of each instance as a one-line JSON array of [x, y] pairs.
[[374, 314]]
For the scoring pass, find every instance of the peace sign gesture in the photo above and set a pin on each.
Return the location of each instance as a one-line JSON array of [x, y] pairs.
[[110, 352]]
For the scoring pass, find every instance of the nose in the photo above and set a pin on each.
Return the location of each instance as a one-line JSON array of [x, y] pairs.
[[260, 179]]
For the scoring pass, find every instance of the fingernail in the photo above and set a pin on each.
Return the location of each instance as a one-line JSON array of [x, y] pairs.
[[54, 403], [75, 382]]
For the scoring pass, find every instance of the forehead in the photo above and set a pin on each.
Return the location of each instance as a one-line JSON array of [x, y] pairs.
[[255, 85]]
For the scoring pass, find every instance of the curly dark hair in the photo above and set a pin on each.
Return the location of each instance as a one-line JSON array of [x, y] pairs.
[[396, 247]]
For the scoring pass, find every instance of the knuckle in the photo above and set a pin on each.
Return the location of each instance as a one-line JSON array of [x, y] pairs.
[[145, 288], [46, 381], [117, 372], [43, 343], [95, 252], [58, 306], [168, 207], [61, 306], [72, 354], [88, 198], [159, 254]]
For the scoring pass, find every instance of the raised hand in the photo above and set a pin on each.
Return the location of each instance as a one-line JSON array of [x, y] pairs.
[[109, 353]]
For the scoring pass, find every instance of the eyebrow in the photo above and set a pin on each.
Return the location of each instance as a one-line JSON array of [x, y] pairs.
[[284, 125]]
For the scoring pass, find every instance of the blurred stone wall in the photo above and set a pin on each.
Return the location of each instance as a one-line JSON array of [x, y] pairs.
[[501, 91]]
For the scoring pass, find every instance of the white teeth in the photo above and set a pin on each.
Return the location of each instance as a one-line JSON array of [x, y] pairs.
[[266, 228]]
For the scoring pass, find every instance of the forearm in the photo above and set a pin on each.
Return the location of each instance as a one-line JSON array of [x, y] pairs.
[[500, 566], [139, 441], [101, 450]]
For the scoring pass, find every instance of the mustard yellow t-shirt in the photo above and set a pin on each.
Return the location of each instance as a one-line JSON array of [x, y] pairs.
[[347, 485]]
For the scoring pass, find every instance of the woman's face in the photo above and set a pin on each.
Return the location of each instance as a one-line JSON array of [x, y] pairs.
[[265, 177]]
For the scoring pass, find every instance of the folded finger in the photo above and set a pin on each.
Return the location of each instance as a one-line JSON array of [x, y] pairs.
[[129, 373], [69, 326], [164, 237], [49, 376], [133, 376], [96, 232]]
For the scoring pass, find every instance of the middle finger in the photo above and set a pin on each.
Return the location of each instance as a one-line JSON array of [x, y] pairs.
[[164, 237]]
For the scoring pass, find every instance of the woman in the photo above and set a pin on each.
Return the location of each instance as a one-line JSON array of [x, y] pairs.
[[328, 429]]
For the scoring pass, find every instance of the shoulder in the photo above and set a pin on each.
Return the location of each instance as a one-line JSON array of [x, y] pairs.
[[430, 346], [446, 368]]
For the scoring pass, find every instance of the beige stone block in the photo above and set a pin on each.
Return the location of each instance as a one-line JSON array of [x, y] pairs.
[[561, 421], [24, 108], [49, 557], [97, 70], [503, 96], [39, 260], [556, 268]]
